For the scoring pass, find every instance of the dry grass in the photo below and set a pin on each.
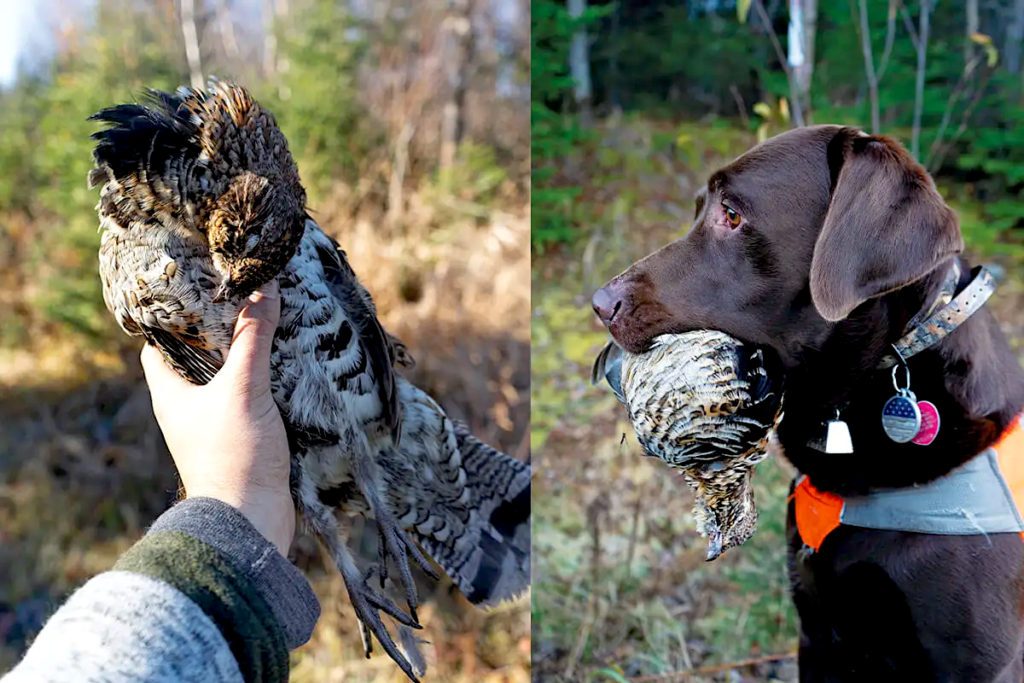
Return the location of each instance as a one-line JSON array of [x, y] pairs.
[[83, 469]]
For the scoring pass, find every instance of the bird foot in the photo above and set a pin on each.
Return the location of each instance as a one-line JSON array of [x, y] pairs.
[[406, 636], [368, 604], [395, 543]]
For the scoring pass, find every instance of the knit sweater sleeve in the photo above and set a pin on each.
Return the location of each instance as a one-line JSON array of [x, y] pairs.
[[203, 596]]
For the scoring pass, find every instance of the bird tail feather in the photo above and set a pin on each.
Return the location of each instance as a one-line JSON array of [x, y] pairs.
[[489, 558]]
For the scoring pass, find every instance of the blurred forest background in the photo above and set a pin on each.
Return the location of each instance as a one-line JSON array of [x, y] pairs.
[[634, 104], [408, 120]]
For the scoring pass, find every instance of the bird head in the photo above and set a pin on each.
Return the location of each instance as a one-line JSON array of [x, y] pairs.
[[213, 161], [254, 229], [724, 506]]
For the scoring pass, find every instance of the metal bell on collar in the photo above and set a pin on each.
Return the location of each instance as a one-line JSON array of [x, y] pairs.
[[836, 439]]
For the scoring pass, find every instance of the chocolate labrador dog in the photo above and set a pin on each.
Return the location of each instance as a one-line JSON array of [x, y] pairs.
[[823, 244]]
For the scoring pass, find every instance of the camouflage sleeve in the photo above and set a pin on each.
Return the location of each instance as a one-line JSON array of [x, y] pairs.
[[202, 597]]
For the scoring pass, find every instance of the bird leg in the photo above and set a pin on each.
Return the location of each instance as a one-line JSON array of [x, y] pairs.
[[366, 602], [406, 636], [395, 543]]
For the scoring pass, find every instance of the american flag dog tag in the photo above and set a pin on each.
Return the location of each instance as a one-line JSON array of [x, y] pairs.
[[901, 417]]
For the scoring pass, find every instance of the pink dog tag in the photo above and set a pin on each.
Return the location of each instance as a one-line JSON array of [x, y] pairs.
[[929, 424]]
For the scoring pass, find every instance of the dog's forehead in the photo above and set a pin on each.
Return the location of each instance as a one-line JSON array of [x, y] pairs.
[[793, 161]]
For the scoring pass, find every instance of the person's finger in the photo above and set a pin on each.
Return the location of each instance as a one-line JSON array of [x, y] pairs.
[[162, 379], [249, 355]]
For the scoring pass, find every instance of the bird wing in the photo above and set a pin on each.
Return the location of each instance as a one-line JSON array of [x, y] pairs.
[[151, 151], [343, 284], [196, 364], [151, 256]]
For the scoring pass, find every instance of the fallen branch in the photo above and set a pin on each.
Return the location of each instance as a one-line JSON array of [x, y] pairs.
[[716, 668]]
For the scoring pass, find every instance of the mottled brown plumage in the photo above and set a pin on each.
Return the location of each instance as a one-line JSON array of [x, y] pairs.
[[704, 404], [201, 204]]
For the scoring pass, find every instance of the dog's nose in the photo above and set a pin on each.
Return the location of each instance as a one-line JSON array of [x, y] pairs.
[[606, 303]]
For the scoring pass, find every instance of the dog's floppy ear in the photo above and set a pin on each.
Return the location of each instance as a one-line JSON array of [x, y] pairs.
[[886, 226]]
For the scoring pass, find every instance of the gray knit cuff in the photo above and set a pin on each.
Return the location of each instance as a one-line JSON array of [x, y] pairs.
[[224, 528]]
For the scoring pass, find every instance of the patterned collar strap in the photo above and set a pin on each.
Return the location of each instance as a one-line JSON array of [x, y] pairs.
[[946, 293], [930, 332]]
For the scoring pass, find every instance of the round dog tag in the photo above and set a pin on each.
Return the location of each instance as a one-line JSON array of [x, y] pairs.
[[901, 418], [929, 423]]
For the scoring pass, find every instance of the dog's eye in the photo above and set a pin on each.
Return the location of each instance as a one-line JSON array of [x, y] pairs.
[[732, 217]]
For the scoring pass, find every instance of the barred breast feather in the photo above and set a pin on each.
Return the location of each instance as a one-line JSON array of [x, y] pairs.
[[705, 404]]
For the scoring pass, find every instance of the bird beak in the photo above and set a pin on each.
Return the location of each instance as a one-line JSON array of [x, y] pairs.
[[223, 292], [714, 545]]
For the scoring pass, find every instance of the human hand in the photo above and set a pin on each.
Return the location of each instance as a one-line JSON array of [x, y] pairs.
[[227, 437]]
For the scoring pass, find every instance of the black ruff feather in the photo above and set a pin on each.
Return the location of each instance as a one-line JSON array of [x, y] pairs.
[[146, 136]]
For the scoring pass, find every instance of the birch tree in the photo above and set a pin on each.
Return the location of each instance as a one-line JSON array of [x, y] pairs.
[[458, 49], [188, 30], [579, 58], [803, 22]]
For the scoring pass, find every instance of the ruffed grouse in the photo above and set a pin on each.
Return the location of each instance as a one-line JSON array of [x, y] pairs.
[[704, 403], [201, 205]]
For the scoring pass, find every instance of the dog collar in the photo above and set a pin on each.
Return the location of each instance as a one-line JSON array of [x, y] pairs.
[[926, 329], [946, 293], [950, 315]]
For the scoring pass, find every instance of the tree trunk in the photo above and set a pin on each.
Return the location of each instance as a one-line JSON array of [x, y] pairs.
[[459, 46], [890, 40], [269, 40], [971, 26], [614, 95], [796, 110], [1014, 36], [396, 185], [227, 30], [579, 60], [869, 65], [924, 27], [188, 29], [803, 22]]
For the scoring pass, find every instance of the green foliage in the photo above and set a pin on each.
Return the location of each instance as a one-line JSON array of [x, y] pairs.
[[971, 123], [476, 176], [675, 63], [315, 96], [47, 155], [554, 133], [681, 61]]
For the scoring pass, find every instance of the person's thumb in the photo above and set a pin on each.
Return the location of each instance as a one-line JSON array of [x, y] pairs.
[[248, 358], [162, 380]]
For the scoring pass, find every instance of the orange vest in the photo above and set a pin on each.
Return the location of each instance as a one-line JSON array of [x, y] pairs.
[[819, 513]]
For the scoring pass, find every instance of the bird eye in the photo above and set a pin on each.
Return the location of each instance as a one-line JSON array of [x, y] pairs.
[[251, 243], [733, 218]]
